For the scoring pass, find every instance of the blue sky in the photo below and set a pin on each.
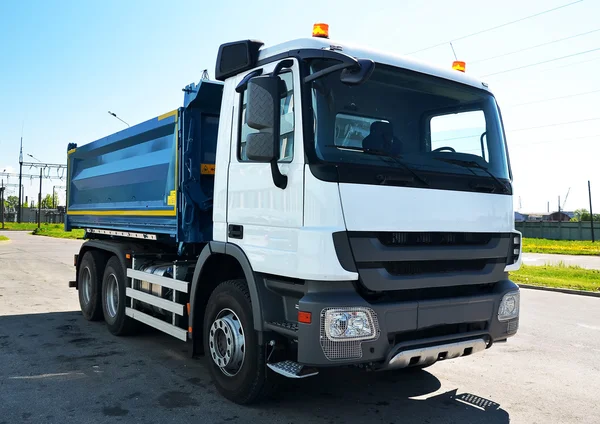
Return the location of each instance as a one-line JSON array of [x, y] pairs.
[[64, 64]]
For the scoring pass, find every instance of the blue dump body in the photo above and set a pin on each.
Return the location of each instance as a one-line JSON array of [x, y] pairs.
[[156, 177]]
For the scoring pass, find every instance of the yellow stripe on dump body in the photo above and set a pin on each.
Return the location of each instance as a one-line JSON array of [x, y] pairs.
[[167, 115], [71, 151], [127, 213]]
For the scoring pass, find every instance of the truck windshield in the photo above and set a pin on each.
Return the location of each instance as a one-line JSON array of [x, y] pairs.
[[433, 125]]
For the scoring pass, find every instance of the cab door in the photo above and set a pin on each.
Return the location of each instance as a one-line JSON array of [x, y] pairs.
[[262, 219]]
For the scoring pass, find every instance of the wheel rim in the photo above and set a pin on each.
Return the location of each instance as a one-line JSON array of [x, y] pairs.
[[86, 285], [227, 342], [112, 295]]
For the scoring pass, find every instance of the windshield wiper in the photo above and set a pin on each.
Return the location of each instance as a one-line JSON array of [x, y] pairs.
[[472, 164], [382, 178]]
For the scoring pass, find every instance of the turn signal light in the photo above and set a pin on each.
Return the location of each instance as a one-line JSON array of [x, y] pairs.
[[320, 30], [304, 317], [459, 65]]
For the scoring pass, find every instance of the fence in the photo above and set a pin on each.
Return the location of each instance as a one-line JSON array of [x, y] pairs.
[[51, 216], [559, 230]]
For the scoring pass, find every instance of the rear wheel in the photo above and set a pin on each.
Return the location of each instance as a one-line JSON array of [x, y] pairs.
[[237, 362], [114, 300], [89, 286]]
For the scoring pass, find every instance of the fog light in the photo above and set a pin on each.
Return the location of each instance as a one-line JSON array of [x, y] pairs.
[[509, 306], [349, 324]]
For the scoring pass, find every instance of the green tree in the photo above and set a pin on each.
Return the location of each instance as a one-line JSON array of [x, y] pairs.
[[47, 202], [582, 215], [11, 202]]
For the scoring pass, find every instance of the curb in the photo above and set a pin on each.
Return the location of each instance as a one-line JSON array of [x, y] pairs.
[[557, 290]]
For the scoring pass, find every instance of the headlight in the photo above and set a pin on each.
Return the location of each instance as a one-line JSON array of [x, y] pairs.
[[349, 324], [509, 306]]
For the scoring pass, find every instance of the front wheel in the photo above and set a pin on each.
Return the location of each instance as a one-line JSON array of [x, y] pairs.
[[237, 362]]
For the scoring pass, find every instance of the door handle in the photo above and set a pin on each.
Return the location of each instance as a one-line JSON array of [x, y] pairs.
[[236, 231]]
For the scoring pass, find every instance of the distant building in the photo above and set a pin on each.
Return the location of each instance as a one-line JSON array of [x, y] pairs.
[[558, 216], [544, 217], [519, 217]]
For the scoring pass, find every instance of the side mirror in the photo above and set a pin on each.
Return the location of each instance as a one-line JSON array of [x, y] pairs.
[[260, 147], [356, 75], [262, 114]]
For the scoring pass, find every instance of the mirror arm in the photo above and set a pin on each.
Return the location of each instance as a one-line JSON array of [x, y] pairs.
[[328, 71], [288, 63], [279, 179], [244, 82], [481, 141]]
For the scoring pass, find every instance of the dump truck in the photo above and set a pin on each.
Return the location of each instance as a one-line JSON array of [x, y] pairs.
[[316, 205]]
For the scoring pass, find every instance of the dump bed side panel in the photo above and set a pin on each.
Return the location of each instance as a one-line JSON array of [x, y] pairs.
[[127, 181]]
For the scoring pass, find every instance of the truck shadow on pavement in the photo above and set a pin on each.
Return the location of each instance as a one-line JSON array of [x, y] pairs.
[[349, 395], [57, 367]]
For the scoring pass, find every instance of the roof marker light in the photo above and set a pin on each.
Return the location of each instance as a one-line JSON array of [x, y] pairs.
[[320, 30], [459, 65]]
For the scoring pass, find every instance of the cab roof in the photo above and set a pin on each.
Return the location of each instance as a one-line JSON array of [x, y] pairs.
[[377, 56]]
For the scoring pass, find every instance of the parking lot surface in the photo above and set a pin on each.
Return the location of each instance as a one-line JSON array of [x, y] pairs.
[[57, 367]]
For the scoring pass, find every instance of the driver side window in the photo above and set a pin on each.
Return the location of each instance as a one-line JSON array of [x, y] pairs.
[[464, 132]]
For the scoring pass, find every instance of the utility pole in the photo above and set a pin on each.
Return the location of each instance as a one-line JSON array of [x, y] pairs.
[[559, 219], [591, 212], [2, 203], [20, 206], [40, 200]]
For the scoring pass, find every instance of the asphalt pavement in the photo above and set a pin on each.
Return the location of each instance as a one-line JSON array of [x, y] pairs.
[[55, 367], [537, 259]]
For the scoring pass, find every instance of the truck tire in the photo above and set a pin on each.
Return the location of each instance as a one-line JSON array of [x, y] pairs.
[[90, 283], [114, 299], [237, 363]]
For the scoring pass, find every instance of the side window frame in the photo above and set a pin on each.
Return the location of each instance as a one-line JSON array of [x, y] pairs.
[[241, 115]]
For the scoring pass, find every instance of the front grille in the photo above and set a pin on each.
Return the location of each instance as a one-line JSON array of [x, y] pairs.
[[434, 267], [390, 261], [434, 239], [431, 293], [440, 331]]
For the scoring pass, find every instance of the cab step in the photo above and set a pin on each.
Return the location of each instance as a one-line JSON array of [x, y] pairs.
[[291, 369]]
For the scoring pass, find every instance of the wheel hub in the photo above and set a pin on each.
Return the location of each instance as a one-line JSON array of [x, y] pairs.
[[227, 342]]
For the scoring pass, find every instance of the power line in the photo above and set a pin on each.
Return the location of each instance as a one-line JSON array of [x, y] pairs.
[[540, 63], [553, 98], [534, 47], [558, 124], [572, 64], [552, 141], [497, 26]]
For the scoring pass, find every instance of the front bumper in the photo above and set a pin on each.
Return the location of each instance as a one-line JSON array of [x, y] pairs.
[[412, 332]]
